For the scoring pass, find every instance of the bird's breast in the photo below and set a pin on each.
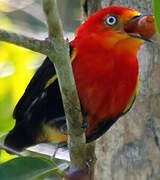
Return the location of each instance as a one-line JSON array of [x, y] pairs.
[[105, 82]]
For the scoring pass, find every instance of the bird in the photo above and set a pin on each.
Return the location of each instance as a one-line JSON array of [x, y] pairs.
[[105, 67]]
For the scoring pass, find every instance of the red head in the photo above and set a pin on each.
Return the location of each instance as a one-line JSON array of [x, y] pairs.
[[115, 24]]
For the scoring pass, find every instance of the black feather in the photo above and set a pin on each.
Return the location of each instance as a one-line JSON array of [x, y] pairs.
[[34, 88]]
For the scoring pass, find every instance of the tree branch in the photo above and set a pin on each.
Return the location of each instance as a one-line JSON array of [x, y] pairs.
[[91, 158], [41, 46], [76, 136], [53, 19]]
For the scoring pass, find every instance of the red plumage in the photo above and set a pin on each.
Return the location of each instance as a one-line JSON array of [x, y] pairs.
[[105, 67], [106, 73]]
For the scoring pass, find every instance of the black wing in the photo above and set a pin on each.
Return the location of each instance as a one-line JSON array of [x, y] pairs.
[[34, 88], [36, 109]]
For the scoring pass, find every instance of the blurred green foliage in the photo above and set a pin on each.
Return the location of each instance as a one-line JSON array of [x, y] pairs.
[[156, 10], [26, 168], [16, 69]]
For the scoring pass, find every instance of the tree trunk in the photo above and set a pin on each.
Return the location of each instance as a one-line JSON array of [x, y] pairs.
[[130, 150]]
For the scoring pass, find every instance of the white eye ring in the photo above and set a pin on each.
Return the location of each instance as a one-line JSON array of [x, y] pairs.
[[111, 20]]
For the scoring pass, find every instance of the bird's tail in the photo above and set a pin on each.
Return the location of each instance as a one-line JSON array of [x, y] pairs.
[[20, 138]]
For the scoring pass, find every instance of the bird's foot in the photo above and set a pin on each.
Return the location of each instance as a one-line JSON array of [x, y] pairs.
[[63, 129], [85, 124], [59, 145]]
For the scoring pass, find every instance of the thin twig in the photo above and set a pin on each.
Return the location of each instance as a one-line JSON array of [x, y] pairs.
[[10, 150]]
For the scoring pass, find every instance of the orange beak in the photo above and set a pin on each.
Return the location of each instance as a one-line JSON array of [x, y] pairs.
[[141, 26]]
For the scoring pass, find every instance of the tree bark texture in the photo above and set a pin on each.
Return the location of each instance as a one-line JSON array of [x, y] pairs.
[[130, 150], [89, 6]]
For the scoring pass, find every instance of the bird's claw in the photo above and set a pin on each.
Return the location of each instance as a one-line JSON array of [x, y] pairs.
[[85, 124], [63, 129]]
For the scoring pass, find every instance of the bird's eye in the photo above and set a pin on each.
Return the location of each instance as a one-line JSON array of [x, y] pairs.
[[111, 20]]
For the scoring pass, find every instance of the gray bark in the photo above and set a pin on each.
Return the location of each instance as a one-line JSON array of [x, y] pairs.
[[130, 150]]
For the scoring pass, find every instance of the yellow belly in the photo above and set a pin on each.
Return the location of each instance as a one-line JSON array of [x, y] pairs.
[[51, 134]]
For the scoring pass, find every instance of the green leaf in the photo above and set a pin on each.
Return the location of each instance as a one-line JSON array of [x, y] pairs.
[[6, 113], [28, 168], [156, 10]]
